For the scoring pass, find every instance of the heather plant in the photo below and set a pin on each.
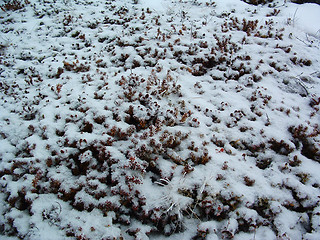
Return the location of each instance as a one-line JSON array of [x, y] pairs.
[[257, 2], [131, 122], [13, 5]]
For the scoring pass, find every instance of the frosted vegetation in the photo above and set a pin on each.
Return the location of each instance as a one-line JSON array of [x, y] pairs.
[[158, 120]]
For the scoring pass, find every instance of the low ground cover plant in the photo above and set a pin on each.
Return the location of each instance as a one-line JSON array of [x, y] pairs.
[[124, 121]]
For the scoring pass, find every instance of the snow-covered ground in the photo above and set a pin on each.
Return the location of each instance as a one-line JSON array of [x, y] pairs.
[[168, 119]]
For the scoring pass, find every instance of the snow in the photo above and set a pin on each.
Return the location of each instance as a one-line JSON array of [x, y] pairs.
[[160, 119], [160, 5], [306, 17]]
